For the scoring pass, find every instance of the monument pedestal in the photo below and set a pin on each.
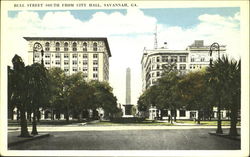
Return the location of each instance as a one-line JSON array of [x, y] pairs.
[[127, 110]]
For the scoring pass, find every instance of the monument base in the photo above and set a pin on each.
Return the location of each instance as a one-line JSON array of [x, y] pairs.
[[127, 110]]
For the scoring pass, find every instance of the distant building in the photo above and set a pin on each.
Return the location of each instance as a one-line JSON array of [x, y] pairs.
[[88, 55], [194, 57]]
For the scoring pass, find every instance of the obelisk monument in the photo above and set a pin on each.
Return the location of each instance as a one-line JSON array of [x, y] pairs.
[[128, 105]]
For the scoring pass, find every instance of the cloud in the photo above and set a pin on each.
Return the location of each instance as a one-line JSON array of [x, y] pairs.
[[127, 34]]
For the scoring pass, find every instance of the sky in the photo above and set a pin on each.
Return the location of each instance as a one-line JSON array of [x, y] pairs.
[[129, 31]]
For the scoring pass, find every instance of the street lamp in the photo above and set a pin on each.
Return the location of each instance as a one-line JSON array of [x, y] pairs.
[[38, 47], [216, 47]]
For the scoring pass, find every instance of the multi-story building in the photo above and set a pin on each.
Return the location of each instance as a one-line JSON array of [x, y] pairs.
[[194, 57], [88, 55]]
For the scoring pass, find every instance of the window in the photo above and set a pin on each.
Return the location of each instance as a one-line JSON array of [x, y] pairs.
[[158, 66], [66, 45], [202, 59], [84, 69], [182, 66], [58, 62], [74, 55], [95, 55], [66, 62], [85, 62], [66, 69], [58, 55], [95, 62], [57, 46], [192, 59], [47, 62], [85, 56], [95, 75], [182, 113], [74, 46], [95, 47], [158, 74], [95, 68], [74, 62], [37, 55], [47, 46], [74, 69], [164, 58], [85, 75], [47, 55], [182, 58], [174, 59], [66, 55], [85, 46], [158, 59]]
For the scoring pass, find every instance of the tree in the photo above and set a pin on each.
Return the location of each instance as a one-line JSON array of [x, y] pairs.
[[37, 90], [224, 78], [168, 97], [11, 104], [56, 81], [19, 91], [104, 98], [80, 96], [194, 92]]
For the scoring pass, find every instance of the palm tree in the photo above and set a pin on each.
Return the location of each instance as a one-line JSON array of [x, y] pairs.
[[19, 91], [224, 79], [37, 86]]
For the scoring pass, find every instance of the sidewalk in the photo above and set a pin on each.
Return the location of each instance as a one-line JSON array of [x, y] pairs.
[[13, 138], [226, 135]]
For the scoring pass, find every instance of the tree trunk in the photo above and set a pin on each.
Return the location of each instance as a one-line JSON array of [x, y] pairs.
[[219, 129], [199, 117], [23, 123], [233, 117], [34, 129]]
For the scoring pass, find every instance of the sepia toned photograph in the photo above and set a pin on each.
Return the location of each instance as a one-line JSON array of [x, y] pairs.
[[124, 78]]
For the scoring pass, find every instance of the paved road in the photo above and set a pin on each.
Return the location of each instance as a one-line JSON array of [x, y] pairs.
[[168, 139]]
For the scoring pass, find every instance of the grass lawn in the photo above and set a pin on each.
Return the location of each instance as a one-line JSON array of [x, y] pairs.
[[108, 123], [214, 122], [45, 122]]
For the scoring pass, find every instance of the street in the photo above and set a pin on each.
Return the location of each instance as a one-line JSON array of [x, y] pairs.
[[136, 139]]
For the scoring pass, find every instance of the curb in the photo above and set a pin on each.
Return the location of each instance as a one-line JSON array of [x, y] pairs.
[[28, 139], [237, 138]]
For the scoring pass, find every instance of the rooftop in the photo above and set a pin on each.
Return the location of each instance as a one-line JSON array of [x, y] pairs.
[[72, 39]]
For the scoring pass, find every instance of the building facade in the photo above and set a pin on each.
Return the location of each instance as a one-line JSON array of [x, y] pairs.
[[88, 55], [194, 57]]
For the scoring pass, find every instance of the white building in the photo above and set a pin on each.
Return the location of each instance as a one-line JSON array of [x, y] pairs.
[[88, 55], [194, 57]]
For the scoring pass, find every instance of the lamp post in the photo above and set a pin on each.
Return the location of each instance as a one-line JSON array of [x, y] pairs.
[[216, 47], [38, 47]]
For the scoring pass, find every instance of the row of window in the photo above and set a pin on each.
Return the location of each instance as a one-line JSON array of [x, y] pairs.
[[58, 55], [169, 59], [66, 46], [195, 66], [202, 59], [66, 69], [74, 62], [95, 75]]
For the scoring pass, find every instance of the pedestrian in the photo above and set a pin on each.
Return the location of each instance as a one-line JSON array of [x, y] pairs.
[[168, 118]]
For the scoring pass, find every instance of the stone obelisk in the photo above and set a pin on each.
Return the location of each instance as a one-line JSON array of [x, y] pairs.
[[128, 87], [128, 105]]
